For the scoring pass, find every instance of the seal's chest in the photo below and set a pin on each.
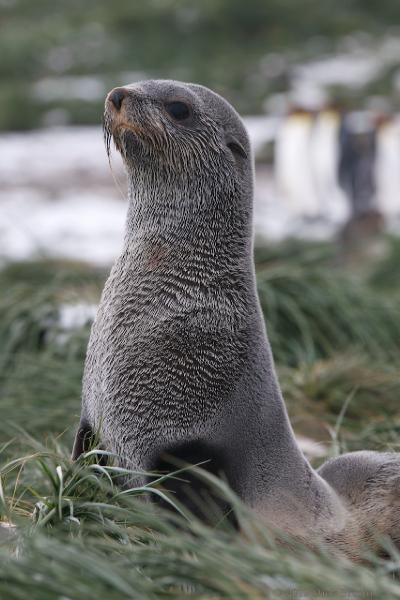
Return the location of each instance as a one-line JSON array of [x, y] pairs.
[[149, 361]]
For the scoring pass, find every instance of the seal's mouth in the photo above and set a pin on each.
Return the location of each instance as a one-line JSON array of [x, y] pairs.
[[114, 125], [114, 130], [116, 119]]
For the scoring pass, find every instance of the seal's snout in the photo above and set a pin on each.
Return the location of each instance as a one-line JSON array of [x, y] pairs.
[[116, 96]]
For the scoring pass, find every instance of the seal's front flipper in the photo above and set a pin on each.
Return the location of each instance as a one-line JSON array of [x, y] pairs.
[[83, 439]]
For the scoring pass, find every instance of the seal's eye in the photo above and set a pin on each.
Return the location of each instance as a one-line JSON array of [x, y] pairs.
[[178, 110]]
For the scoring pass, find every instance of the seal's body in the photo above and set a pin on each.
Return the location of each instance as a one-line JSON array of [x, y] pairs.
[[178, 360]]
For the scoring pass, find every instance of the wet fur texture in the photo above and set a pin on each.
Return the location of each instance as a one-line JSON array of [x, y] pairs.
[[178, 355]]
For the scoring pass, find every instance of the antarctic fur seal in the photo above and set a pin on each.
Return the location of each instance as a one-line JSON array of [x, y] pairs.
[[178, 361]]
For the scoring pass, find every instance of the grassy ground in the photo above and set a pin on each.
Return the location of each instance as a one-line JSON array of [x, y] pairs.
[[335, 332]]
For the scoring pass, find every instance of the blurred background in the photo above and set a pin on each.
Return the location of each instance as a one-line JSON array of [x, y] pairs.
[[318, 84]]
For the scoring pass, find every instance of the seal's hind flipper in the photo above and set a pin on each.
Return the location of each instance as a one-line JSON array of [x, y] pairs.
[[83, 439], [192, 491]]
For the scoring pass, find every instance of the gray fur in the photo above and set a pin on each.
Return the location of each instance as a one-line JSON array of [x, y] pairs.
[[178, 351], [368, 484]]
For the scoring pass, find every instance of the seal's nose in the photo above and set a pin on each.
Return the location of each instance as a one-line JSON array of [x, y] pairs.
[[117, 95]]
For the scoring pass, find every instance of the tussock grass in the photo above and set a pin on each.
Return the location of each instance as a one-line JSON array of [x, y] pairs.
[[323, 385], [40, 364], [335, 334], [314, 313], [385, 274], [78, 537]]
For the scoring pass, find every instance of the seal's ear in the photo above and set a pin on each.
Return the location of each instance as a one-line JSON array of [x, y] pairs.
[[235, 147]]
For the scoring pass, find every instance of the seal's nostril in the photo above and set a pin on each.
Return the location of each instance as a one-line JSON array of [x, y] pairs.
[[116, 96]]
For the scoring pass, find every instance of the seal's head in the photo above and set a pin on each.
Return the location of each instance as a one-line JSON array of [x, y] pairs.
[[177, 126]]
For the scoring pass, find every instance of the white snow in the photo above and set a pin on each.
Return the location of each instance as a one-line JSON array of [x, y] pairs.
[[74, 316], [47, 155], [78, 225]]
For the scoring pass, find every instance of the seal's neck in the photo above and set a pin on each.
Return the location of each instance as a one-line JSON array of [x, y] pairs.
[[190, 212]]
